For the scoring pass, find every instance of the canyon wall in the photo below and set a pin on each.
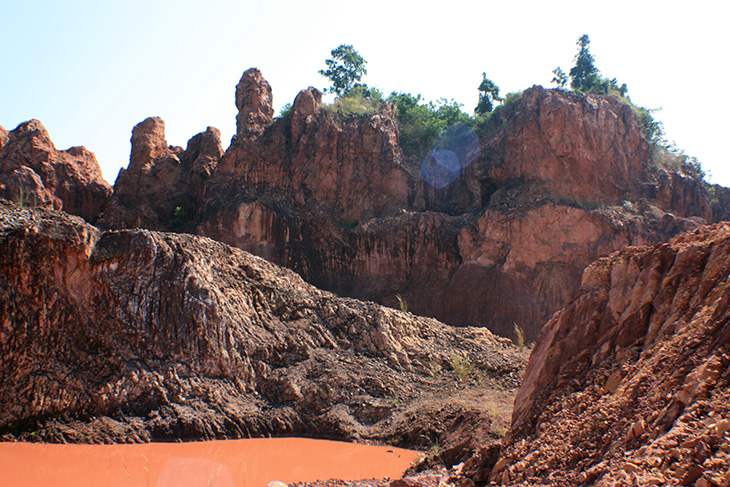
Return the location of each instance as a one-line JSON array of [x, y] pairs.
[[551, 182]]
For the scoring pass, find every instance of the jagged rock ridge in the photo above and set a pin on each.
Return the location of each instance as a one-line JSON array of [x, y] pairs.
[[558, 180], [552, 190]]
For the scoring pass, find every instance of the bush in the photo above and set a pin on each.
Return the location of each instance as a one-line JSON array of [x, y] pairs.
[[359, 101], [421, 123]]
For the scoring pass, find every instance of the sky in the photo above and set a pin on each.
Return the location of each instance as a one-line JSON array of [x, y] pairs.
[[91, 70]]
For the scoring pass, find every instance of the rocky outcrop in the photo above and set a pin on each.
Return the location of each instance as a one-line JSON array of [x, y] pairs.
[[163, 186], [351, 169], [721, 208], [551, 182], [582, 148], [629, 384], [138, 335], [549, 191], [682, 191], [254, 102], [34, 173]]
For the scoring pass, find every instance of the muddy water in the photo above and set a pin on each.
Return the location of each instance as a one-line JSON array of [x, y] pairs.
[[240, 463]]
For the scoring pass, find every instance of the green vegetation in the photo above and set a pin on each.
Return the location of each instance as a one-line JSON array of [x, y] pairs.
[[285, 111], [359, 101], [498, 430], [488, 95], [461, 365], [585, 77], [24, 200], [519, 337], [344, 70], [421, 123], [179, 219], [402, 303]]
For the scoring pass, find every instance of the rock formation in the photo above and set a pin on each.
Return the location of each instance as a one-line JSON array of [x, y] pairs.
[[561, 179], [34, 173], [135, 335], [163, 187], [554, 180], [254, 102], [629, 384]]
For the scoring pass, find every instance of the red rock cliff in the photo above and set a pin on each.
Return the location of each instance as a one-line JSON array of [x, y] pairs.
[[334, 200], [559, 180], [34, 173]]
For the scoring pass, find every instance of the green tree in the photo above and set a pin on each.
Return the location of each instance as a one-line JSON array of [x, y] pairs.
[[559, 77], [488, 95], [584, 74], [344, 70]]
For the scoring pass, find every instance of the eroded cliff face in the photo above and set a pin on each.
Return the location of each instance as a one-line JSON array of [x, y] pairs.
[[34, 173], [555, 180], [137, 335], [163, 187], [629, 384]]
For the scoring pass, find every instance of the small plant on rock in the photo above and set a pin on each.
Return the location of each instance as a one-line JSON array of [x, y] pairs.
[[519, 337], [402, 303], [461, 365]]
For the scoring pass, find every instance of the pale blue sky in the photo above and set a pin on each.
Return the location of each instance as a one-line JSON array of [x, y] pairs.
[[91, 70]]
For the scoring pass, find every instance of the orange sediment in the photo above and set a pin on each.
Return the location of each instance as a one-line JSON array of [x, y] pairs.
[[224, 463]]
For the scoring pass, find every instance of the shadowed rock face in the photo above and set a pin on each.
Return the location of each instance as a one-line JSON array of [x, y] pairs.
[[630, 382], [118, 335], [34, 173]]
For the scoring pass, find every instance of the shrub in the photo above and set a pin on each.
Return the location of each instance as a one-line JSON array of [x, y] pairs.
[[461, 365], [519, 337], [402, 303], [421, 123], [358, 102]]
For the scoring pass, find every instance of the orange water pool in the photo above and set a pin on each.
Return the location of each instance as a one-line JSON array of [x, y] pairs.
[[240, 463]]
